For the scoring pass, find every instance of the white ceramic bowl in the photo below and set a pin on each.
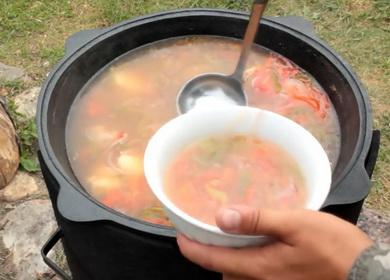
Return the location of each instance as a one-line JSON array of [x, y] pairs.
[[229, 120]]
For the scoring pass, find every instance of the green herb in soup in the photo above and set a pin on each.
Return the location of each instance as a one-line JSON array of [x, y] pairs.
[[225, 170], [118, 111]]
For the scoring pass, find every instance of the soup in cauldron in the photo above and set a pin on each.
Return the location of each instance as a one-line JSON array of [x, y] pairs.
[[117, 112]]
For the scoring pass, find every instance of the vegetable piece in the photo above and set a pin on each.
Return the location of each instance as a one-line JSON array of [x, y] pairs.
[[100, 185], [266, 82], [114, 198], [217, 195], [130, 164], [99, 134], [131, 81], [94, 109], [156, 215], [297, 90], [120, 135]]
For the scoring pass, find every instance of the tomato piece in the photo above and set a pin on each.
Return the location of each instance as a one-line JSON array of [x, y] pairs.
[[310, 101], [113, 199], [266, 82], [94, 109], [120, 135]]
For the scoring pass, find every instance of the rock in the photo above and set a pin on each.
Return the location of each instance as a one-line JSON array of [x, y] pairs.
[[9, 150], [10, 73], [26, 102], [9, 206], [20, 187], [25, 230], [41, 185], [375, 224], [3, 92]]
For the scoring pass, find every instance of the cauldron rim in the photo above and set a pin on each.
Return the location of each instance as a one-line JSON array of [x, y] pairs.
[[363, 141]]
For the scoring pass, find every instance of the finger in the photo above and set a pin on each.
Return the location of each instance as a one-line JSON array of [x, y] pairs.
[[247, 220], [224, 260]]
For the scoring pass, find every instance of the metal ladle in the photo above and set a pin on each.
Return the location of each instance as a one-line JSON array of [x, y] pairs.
[[219, 86]]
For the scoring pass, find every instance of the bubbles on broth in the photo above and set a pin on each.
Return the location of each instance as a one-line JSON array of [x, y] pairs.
[[117, 112]]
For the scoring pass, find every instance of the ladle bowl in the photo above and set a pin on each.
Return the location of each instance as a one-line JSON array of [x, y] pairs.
[[217, 87], [223, 86]]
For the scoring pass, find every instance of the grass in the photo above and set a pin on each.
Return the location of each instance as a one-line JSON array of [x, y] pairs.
[[27, 137], [32, 35]]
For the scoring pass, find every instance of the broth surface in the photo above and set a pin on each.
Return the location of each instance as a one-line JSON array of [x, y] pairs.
[[231, 170], [117, 112]]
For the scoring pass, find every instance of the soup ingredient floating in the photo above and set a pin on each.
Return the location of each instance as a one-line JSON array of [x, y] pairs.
[[224, 170]]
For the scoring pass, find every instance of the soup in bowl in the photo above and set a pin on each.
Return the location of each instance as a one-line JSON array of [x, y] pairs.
[[183, 154]]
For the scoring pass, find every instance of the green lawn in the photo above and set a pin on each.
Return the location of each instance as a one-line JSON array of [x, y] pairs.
[[32, 35]]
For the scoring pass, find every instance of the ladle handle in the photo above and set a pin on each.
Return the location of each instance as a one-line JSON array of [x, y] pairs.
[[258, 8]]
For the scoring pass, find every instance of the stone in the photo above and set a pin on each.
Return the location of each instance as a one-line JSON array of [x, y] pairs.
[[10, 73], [25, 229], [22, 186], [376, 224], [41, 186], [26, 102], [3, 92], [9, 150], [9, 206]]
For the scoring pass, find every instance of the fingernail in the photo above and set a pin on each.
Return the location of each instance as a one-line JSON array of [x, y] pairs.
[[231, 219]]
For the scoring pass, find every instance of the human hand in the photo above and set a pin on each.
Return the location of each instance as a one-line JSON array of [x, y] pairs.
[[309, 245]]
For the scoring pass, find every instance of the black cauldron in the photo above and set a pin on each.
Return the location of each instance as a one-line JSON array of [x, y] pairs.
[[103, 244]]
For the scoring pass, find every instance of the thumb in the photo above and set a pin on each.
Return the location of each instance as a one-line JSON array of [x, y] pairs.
[[247, 220]]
